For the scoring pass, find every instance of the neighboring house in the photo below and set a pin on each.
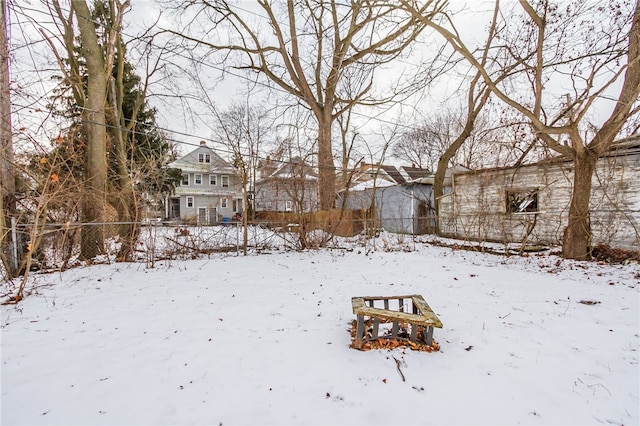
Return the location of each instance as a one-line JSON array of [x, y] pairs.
[[403, 197], [368, 172], [290, 186], [210, 191], [531, 202]]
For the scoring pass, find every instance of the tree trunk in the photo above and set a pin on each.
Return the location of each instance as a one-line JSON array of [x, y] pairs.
[[577, 235], [449, 153], [326, 166], [94, 121], [125, 203], [7, 178], [443, 163]]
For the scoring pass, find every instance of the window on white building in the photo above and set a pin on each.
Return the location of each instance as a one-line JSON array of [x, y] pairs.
[[225, 181], [204, 158], [185, 179], [223, 203], [213, 180], [197, 179], [522, 201], [189, 201], [288, 205]]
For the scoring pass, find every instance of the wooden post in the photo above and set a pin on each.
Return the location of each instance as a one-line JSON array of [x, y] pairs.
[[428, 339], [376, 326], [359, 332], [394, 329]]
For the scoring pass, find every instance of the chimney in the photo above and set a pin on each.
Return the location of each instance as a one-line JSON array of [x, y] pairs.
[[203, 143]]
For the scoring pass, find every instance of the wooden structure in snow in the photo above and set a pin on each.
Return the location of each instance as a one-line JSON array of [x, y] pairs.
[[416, 313]]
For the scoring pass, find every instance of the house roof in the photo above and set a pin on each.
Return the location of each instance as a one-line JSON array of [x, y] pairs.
[[413, 173], [393, 173], [288, 170], [190, 162], [430, 179], [381, 176], [369, 184], [390, 173], [621, 148], [625, 146]]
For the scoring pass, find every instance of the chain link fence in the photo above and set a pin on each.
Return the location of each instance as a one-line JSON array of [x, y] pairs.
[[59, 246]]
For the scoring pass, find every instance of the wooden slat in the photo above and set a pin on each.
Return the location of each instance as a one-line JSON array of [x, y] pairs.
[[426, 311], [406, 296], [426, 316]]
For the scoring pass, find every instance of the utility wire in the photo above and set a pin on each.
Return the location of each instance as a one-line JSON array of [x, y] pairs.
[[225, 149], [238, 75]]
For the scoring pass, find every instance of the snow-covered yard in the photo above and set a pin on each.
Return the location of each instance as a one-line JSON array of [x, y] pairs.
[[263, 339]]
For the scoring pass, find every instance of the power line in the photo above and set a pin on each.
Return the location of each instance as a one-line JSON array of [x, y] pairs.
[[225, 149], [234, 74]]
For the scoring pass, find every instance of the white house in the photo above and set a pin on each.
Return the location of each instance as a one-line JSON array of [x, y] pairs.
[[530, 203]]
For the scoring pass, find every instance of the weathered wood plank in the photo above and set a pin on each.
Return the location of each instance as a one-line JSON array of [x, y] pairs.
[[426, 316], [425, 310]]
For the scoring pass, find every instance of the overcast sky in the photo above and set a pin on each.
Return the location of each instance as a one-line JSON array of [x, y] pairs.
[[33, 65]]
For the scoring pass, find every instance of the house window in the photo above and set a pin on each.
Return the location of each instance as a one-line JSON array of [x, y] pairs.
[[287, 205], [197, 179], [189, 201], [522, 201], [223, 203], [185, 179], [204, 158], [235, 205], [225, 181], [213, 180]]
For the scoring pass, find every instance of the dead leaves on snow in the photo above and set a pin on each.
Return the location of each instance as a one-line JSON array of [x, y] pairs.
[[389, 343]]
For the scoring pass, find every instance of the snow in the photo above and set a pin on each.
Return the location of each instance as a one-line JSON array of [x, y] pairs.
[[370, 184], [263, 339]]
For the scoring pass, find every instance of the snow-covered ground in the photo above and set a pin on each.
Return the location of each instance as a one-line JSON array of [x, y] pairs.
[[263, 339]]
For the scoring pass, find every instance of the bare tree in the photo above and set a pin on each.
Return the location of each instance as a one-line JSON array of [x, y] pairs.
[[312, 47], [586, 49], [243, 128], [112, 99], [421, 146], [291, 179], [92, 99], [7, 179]]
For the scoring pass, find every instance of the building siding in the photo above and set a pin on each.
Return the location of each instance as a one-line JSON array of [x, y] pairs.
[[403, 209], [206, 196], [477, 208]]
